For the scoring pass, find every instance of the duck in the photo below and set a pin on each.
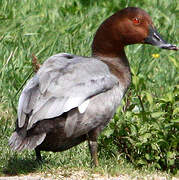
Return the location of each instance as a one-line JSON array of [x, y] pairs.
[[72, 98]]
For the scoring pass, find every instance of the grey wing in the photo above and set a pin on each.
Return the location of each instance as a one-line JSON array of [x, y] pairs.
[[62, 84]]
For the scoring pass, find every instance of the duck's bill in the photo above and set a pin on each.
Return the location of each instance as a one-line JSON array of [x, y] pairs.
[[155, 39]]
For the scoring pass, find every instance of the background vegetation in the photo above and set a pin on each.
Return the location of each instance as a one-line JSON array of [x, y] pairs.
[[144, 132]]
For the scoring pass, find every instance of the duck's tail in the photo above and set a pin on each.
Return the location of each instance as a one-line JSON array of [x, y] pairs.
[[19, 142]]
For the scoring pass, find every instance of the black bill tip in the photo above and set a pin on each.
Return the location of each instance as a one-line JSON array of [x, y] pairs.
[[169, 47], [155, 39]]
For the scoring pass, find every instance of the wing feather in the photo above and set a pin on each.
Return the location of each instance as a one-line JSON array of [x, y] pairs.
[[62, 84]]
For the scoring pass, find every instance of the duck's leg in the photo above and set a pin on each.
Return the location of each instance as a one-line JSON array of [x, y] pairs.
[[93, 145], [38, 155]]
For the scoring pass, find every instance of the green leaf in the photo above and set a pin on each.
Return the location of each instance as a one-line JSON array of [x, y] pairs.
[[176, 111], [171, 162], [154, 147], [157, 157], [141, 162], [135, 81], [147, 156], [174, 62], [149, 98], [170, 155], [157, 114], [175, 120], [108, 132], [147, 135]]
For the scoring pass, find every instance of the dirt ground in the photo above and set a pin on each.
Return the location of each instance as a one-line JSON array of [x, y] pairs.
[[83, 176]]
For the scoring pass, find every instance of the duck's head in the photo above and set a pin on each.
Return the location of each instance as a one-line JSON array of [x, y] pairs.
[[129, 26]]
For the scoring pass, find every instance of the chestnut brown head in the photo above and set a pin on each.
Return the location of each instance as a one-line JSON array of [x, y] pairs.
[[129, 26]]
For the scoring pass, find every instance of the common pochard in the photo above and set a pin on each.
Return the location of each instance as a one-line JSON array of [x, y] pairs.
[[72, 98]]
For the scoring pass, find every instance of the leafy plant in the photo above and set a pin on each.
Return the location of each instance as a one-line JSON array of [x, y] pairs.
[[146, 130]]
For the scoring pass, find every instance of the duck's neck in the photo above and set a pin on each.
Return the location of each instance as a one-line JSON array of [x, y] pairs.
[[108, 46], [118, 66]]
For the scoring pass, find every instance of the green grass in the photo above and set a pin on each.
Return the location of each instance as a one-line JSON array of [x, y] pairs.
[[46, 27]]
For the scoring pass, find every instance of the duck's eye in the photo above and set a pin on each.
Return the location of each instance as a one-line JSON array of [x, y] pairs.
[[136, 20]]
